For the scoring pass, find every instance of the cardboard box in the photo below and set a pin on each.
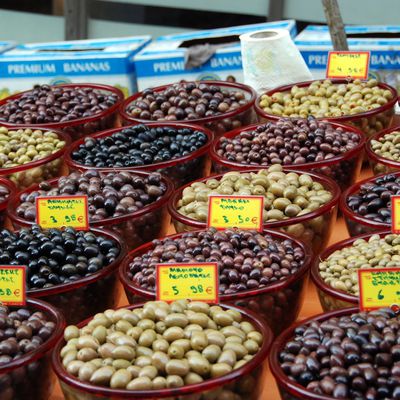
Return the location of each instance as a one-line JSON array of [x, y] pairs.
[[163, 61], [107, 61], [314, 42]]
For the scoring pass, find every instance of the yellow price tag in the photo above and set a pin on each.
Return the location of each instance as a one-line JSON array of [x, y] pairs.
[[187, 281], [244, 212], [395, 201], [344, 64], [379, 287], [61, 211], [12, 285]]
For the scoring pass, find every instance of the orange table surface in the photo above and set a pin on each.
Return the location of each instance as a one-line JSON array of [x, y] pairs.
[[311, 306]]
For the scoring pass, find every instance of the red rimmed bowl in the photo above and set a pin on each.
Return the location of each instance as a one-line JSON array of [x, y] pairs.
[[89, 295], [29, 377], [81, 126], [244, 382], [344, 169], [356, 224], [180, 170], [313, 228], [34, 172], [369, 122], [379, 164], [3, 205], [278, 303], [218, 124], [329, 297], [144, 225]]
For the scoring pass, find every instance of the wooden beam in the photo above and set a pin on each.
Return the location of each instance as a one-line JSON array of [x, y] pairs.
[[335, 23], [76, 14], [275, 10]]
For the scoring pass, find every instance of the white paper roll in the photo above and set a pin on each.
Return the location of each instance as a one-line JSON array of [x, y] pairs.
[[271, 59]]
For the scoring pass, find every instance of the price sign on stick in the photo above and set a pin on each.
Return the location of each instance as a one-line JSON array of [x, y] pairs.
[[379, 287], [61, 211], [12, 285], [345, 64], [245, 212], [187, 281]]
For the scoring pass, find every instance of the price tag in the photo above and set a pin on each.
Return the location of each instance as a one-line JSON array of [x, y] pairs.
[[395, 201], [244, 212], [344, 64], [187, 281], [12, 285], [61, 211], [379, 287]]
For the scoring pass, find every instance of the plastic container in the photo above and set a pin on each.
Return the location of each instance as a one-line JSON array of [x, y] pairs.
[[344, 169], [279, 303], [34, 172], [180, 170], [369, 122], [379, 164], [90, 295], [81, 126], [314, 228], [3, 206], [30, 377], [357, 224], [219, 124], [245, 382], [289, 389], [144, 225]]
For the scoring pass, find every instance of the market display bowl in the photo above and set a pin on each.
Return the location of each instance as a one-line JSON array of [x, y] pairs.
[[89, 295], [34, 172], [180, 170], [218, 124], [81, 126], [289, 389], [313, 228], [3, 205], [357, 224], [244, 382], [379, 164], [344, 169], [148, 223], [278, 303], [369, 122], [29, 377]]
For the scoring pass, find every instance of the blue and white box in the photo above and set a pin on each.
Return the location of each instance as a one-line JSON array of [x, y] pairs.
[[383, 41], [163, 61], [107, 61]]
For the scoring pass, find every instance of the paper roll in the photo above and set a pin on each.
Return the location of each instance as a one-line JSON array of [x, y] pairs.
[[271, 59]]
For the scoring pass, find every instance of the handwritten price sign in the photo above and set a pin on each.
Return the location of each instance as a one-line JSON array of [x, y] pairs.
[[245, 212], [344, 64], [12, 285], [187, 281], [395, 201], [61, 211], [379, 287]]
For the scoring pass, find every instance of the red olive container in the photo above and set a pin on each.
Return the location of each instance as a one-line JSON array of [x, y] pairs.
[[357, 224], [219, 124], [314, 228], [244, 382], [368, 122], [34, 172], [81, 126], [87, 296], [30, 377], [144, 225], [279, 303], [344, 169], [3, 205], [330, 298], [289, 389], [379, 164], [180, 170]]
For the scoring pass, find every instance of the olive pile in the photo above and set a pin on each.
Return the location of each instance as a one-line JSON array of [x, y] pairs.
[[387, 146]]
